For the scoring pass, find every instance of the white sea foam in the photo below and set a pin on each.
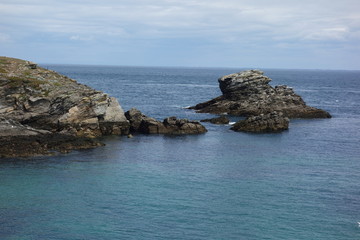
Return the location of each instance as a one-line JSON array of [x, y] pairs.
[[232, 123]]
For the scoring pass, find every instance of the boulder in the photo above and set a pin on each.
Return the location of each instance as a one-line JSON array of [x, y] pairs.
[[248, 93], [271, 122], [140, 123]]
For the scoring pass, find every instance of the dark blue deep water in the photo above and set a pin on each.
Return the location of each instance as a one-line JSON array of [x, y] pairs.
[[300, 184]]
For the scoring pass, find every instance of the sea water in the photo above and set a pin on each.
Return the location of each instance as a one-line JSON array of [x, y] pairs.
[[299, 184]]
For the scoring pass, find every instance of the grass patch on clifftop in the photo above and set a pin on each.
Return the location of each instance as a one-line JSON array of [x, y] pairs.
[[16, 82]]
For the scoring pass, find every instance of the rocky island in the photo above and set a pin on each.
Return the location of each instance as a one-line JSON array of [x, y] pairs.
[[267, 108], [248, 93], [42, 111]]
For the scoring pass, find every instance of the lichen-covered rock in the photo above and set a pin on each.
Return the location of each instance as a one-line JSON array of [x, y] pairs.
[[139, 123], [47, 100], [271, 122], [248, 93]]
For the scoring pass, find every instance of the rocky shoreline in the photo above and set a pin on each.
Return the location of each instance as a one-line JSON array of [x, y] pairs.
[[42, 111]]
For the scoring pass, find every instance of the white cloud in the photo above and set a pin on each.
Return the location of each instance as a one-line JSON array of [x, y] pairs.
[[309, 20], [231, 24]]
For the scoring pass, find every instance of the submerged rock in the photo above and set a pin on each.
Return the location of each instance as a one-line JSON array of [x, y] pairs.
[[271, 122], [248, 93], [140, 123]]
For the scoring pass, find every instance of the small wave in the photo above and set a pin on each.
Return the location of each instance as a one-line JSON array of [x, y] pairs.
[[232, 123]]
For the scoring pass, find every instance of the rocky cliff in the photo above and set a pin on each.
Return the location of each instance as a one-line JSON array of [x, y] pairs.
[[44, 103], [47, 100], [248, 93]]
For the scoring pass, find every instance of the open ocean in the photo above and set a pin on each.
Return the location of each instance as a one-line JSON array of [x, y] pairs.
[[300, 184]]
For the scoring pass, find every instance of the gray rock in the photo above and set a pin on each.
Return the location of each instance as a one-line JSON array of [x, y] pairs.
[[47, 100], [248, 93], [42, 111]]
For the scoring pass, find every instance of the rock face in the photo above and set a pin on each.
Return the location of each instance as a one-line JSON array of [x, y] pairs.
[[248, 93], [139, 123], [271, 122], [218, 120], [47, 100], [52, 111]]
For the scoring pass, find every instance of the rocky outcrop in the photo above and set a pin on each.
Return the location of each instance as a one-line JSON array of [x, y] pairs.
[[31, 96], [248, 93], [271, 122], [140, 123], [44, 99], [218, 120]]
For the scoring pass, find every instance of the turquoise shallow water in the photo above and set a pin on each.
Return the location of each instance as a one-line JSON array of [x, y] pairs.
[[301, 184]]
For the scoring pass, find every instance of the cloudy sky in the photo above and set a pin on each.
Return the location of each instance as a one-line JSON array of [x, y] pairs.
[[315, 34]]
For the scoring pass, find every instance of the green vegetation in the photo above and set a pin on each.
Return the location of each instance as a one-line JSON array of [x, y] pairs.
[[21, 81], [4, 61]]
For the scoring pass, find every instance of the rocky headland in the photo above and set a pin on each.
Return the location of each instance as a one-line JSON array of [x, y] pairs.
[[42, 111], [248, 93]]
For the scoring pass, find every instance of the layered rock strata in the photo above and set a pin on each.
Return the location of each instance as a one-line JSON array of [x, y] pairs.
[[248, 93], [271, 122], [140, 123]]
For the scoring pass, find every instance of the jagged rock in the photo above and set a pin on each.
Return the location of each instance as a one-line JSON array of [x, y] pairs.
[[271, 122], [218, 120], [248, 93], [44, 99], [140, 123]]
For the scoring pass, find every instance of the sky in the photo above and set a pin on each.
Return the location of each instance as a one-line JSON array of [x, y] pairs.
[[289, 34]]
